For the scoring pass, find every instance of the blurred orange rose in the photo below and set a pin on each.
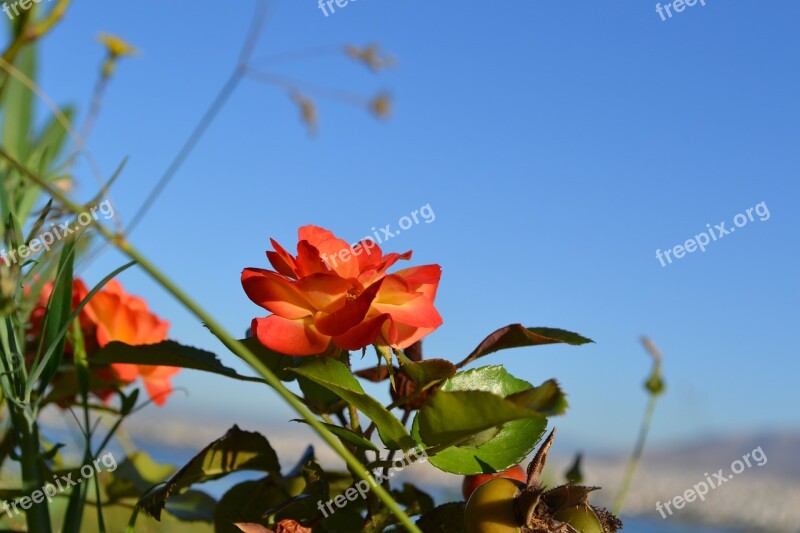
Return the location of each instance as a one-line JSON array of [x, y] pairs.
[[122, 317], [331, 293], [114, 315]]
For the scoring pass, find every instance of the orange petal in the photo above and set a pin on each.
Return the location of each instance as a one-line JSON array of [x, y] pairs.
[[363, 334], [338, 256], [325, 292], [290, 337], [309, 261], [275, 293], [349, 315], [369, 254], [282, 260], [158, 389], [411, 308], [380, 268], [424, 279], [126, 372]]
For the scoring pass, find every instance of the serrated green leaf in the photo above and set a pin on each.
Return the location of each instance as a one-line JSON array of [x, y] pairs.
[[247, 502], [547, 399], [453, 417], [517, 336], [192, 506], [236, 451], [166, 353], [429, 371], [506, 447]]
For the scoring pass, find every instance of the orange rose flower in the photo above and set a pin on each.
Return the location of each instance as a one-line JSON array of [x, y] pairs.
[[122, 317], [331, 293], [114, 315]]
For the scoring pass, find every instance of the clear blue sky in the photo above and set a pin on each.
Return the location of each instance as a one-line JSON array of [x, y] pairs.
[[559, 145]]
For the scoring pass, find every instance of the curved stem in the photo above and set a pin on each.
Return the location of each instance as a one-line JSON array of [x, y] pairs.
[[636, 456], [228, 340]]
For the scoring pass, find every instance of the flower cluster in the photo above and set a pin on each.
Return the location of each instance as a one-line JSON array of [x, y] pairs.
[[354, 304]]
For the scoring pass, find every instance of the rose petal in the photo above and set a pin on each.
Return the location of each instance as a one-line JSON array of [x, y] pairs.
[[275, 293], [362, 335], [349, 315], [290, 337]]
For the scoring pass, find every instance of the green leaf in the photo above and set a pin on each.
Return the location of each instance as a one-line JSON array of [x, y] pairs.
[[57, 315], [347, 436], [237, 450], [447, 518], [429, 371], [415, 501], [575, 475], [192, 506], [51, 140], [517, 336], [40, 367], [453, 417], [504, 448], [320, 399], [304, 505], [18, 107], [136, 475], [337, 378], [547, 399], [247, 502], [165, 353]]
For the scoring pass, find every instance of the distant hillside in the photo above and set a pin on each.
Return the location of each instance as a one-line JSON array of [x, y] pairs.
[[760, 498]]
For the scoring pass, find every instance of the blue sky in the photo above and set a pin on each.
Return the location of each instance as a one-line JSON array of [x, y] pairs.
[[559, 146]]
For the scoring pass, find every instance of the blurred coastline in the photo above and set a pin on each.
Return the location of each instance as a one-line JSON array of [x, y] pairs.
[[760, 499]]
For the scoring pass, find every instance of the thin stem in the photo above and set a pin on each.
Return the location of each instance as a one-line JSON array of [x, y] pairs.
[[404, 421], [355, 425], [228, 340], [636, 456], [38, 516]]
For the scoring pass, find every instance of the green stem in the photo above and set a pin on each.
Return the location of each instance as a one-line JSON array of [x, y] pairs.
[[228, 340], [636, 456], [38, 516]]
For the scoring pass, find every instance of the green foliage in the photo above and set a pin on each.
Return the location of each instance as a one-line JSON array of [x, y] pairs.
[[236, 451], [477, 403], [165, 353], [337, 378], [518, 336]]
